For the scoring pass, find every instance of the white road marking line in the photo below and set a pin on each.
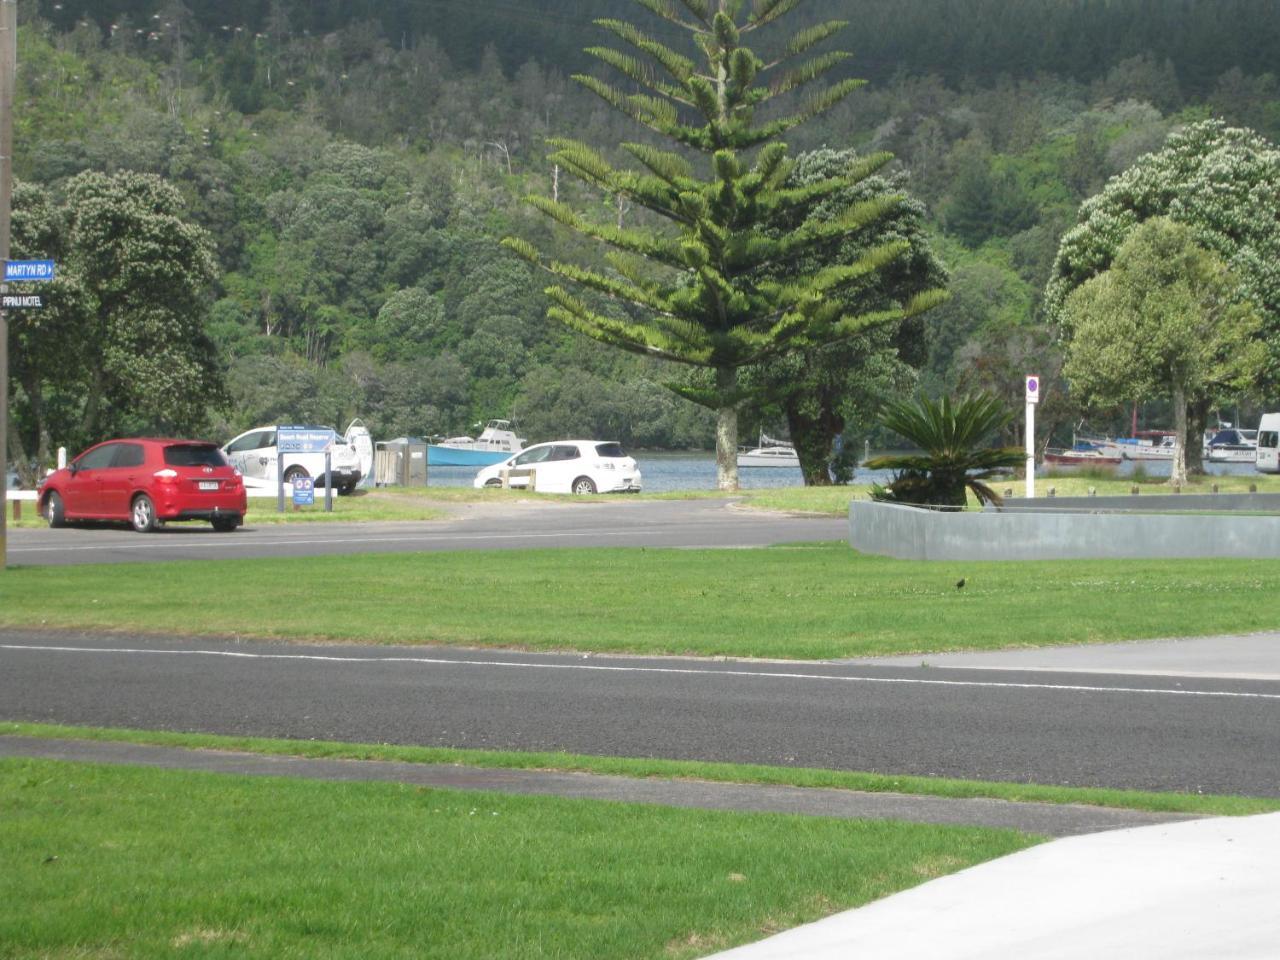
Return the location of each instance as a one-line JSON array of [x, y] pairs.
[[748, 674]]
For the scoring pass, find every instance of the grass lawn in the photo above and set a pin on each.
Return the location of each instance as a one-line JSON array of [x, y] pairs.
[[104, 861], [1197, 803], [363, 505], [834, 501], [801, 601]]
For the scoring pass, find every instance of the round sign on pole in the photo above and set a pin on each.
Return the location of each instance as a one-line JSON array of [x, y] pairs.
[[1033, 389]]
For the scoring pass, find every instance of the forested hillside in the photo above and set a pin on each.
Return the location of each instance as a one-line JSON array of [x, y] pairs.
[[357, 161]]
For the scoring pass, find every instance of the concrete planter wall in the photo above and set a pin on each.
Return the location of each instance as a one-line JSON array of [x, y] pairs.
[[911, 533]]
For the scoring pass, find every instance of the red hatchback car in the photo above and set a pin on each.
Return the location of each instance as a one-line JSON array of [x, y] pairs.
[[147, 482]]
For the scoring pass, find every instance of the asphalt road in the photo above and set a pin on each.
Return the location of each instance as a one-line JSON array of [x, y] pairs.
[[1188, 734], [572, 523]]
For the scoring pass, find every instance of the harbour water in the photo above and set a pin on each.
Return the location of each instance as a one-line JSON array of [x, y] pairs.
[[664, 472]]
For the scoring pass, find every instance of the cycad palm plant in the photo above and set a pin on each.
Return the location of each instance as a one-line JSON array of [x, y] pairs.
[[952, 460]]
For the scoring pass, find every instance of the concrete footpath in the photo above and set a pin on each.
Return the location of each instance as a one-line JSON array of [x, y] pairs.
[[1184, 891], [1254, 656]]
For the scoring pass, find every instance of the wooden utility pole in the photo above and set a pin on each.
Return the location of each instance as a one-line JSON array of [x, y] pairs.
[[8, 76]]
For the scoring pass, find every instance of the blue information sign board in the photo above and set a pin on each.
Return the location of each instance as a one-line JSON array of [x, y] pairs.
[[16, 271], [304, 491], [304, 439]]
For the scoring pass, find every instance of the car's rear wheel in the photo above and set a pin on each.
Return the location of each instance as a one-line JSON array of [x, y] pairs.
[[143, 514], [493, 484], [584, 485], [54, 511], [346, 490], [225, 524]]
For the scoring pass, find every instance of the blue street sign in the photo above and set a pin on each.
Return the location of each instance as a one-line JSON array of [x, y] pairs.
[[304, 439], [304, 491], [27, 270]]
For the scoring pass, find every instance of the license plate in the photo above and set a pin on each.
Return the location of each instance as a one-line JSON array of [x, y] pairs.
[[208, 484]]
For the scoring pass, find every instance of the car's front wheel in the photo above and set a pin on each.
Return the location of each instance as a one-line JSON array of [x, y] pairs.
[[493, 483], [54, 511], [143, 514], [584, 485]]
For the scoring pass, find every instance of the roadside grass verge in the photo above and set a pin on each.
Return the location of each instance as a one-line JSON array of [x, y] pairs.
[[647, 768], [123, 861], [807, 601], [431, 503], [362, 506], [834, 501]]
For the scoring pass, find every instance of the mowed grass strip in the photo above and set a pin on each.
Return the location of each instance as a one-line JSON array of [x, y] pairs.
[[652, 768], [804, 601], [118, 861], [364, 506]]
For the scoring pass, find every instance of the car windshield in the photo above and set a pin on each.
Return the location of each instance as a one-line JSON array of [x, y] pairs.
[[610, 450], [194, 455]]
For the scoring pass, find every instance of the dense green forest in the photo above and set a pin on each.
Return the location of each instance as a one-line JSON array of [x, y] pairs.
[[355, 163]]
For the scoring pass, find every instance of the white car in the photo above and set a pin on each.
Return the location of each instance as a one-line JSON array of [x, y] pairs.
[[567, 466], [254, 454]]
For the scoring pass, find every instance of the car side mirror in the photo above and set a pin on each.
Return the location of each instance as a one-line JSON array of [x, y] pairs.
[[73, 467]]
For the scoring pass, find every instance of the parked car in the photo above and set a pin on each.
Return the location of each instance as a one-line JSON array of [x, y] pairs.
[[567, 466], [146, 482], [254, 453]]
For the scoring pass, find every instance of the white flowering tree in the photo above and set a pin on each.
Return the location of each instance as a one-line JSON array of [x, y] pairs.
[[1166, 319], [1223, 183], [121, 345]]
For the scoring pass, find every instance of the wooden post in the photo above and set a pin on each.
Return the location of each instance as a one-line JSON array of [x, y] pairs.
[[533, 480], [8, 71]]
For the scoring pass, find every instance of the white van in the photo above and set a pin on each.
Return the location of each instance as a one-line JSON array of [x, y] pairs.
[[253, 453], [1268, 444]]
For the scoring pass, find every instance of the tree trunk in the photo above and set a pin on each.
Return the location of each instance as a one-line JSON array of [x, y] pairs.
[[1178, 474], [93, 398], [727, 432], [813, 437], [1198, 415]]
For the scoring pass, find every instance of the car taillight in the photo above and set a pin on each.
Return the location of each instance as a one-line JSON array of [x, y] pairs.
[[167, 475]]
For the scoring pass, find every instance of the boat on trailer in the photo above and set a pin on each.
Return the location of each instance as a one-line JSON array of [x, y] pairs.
[[496, 442], [1083, 454]]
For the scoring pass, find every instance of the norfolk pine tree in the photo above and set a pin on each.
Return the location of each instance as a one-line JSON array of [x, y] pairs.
[[696, 291]]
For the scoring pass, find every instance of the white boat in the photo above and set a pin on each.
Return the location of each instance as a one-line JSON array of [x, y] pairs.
[[361, 441], [497, 442], [770, 453], [1084, 453], [1148, 445], [1232, 446]]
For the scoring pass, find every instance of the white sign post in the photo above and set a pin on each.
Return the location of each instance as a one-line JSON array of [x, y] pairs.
[[1033, 397]]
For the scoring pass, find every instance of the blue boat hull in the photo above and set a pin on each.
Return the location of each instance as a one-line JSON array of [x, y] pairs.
[[454, 457]]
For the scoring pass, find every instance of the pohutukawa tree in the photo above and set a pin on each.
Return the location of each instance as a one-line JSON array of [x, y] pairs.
[[694, 288]]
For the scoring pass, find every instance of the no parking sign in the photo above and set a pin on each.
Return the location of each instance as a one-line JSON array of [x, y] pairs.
[[1033, 389], [304, 491]]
